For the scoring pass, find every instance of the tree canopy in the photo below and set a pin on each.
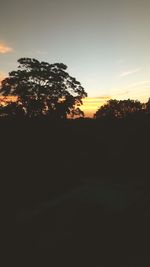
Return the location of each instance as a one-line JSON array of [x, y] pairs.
[[43, 89], [118, 108], [148, 106]]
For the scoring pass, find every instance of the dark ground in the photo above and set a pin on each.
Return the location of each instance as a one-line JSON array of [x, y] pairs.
[[79, 192]]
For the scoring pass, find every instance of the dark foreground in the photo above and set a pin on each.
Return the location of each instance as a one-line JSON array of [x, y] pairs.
[[79, 192]]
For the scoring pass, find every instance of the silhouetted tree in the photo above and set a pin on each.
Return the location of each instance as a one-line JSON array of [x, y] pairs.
[[12, 109], [43, 89], [118, 109], [148, 106]]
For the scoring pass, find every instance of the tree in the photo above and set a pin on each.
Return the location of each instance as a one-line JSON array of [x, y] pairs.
[[43, 89], [148, 106], [12, 109], [118, 109]]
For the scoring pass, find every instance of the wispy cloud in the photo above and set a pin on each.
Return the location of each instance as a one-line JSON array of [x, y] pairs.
[[95, 100], [140, 83], [129, 72], [139, 90], [121, 92], [105, 97], [4, 48]]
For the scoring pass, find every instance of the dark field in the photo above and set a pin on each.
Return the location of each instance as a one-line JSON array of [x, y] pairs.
[[79, 191]]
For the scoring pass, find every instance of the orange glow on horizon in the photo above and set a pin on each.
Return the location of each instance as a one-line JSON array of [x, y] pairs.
[[91, 104], [89, 107], [7, 99]]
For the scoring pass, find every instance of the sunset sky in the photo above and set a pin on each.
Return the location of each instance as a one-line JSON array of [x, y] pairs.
[[104, 43]]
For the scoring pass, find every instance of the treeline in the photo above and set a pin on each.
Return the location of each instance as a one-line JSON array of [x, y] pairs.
[[42, 90], [44, 153], [46, 157], [113, 109], [123, 108]]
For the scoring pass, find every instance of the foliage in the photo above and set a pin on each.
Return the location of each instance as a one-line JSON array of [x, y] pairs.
[[43, 89], [148, 106], [12, 109], [118, 109]]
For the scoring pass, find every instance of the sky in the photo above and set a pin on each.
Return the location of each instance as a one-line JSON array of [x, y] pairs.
[[104, 43]]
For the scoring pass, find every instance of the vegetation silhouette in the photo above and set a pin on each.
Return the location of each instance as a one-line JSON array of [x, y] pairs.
[[79, 188], [118, 109], [148, 106], [12, 109], [42, 89]]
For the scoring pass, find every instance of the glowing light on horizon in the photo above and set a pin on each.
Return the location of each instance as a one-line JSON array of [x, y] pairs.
[[91, 104]]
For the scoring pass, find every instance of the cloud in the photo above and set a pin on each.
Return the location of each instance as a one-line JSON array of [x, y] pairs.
[[101, 97], [117, 92], [140, 83], [95, 100], [139, 90], [129, 72], [5, 48]]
